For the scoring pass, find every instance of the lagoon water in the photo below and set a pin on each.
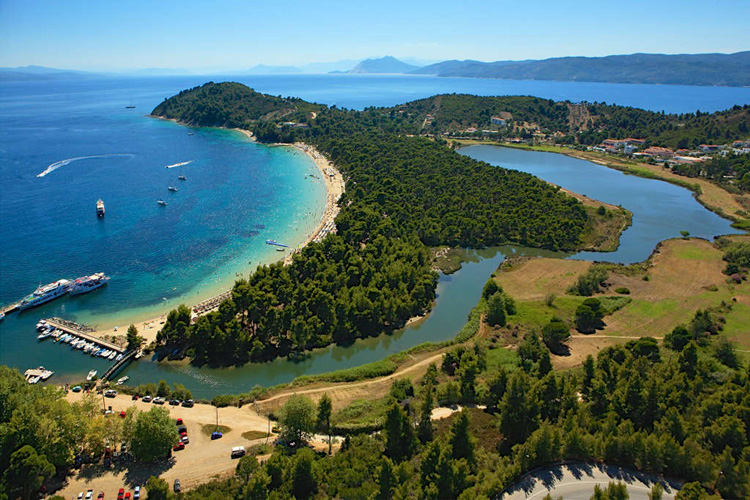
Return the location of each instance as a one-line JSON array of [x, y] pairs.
[[238, 194]]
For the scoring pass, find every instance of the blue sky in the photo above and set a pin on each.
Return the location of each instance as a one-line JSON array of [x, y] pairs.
[[237, 34]]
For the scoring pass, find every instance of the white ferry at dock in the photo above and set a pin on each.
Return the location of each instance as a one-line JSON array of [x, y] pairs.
[[88, 283], [44, 294]]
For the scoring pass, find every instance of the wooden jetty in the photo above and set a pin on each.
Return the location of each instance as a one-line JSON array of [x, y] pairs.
[[119, 365], [86, 336], [10, 308]]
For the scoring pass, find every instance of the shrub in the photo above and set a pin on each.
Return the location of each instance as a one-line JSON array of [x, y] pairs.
[[622, 290], [590, 282], [555, 334]]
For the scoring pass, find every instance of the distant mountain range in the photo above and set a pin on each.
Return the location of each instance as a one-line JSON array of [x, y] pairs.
[[731, 70]]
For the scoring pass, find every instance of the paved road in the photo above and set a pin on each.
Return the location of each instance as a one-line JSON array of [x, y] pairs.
[[576, 482]]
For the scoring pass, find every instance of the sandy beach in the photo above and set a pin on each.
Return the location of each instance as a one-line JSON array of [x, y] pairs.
[[335, 187]]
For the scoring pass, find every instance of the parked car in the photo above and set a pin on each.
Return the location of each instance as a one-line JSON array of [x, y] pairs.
[[120, 493], [216, 435], [80, 496], [179, 446], [110, 393], [174, 402], [89, 494], [77, 388], [179, 421], [122, 414], [127, 496], [182, 429], [177, 488], [137, 493], [188, 403], [238, 451], [159, 400], [100, 496], [135, 397], [185, 440]]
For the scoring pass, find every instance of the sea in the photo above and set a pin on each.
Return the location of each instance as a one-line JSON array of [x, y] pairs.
[[64, 144]]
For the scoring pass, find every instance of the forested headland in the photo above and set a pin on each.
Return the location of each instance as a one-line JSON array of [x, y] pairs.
[[404, 194]]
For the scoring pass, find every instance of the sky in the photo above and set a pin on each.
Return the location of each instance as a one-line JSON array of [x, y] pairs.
[[238, 34]]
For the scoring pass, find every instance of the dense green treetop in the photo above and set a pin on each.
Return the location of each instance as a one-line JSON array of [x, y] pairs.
[[228, 105]]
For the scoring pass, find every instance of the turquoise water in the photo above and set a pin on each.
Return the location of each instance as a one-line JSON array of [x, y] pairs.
[[238, 194]]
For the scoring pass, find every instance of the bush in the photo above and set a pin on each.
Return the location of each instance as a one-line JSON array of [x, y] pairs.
[[555, 334], [590, 282], [496, 310], [622, 290], [589, 316]]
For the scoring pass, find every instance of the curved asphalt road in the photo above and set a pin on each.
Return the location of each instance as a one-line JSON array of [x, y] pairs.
[[576, 481]]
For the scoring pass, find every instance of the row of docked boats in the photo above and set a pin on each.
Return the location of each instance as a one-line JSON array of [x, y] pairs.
[[58, 288], [77, 343]]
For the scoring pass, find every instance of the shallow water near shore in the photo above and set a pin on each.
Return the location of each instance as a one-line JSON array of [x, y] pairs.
[[238, 194]]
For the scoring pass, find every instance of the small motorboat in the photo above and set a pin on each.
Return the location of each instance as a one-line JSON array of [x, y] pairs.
[[161, 203], [172, 189], [122, 380], [91, 375]]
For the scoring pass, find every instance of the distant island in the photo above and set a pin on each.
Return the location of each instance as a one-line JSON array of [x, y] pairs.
[[387, 64], [728, 70], [731, 70]]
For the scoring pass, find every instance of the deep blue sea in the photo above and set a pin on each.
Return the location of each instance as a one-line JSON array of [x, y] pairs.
[[237, 195]]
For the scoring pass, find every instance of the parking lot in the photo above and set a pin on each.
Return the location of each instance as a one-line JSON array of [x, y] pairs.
[[201, 459]]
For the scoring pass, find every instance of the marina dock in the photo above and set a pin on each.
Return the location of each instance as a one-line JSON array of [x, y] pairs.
[[119, 365], [66, 328]]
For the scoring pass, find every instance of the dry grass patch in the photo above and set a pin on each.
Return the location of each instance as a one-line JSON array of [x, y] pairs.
[[534, 278]]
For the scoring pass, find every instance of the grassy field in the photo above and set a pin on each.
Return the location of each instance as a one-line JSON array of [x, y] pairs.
[[207, 429], [682, 276]]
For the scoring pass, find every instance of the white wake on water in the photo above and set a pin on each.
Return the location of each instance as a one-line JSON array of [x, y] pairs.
[[179, 164], [62, 163]]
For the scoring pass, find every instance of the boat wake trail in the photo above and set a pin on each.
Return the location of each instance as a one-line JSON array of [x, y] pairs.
[[62, 163], [179, 164]]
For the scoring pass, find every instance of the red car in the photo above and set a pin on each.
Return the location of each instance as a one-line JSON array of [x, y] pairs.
[[179, 446], [122, 414], [183, 434], [100, 496], [127, 496], [179, 421], [120, 493]]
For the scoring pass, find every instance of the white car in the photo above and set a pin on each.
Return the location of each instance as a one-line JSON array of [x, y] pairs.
[[137, 493], [80, 496], [89, 494]]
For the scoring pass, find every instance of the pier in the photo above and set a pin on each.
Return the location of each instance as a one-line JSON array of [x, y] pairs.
[[119, 365], [84, 335], [10, 308]]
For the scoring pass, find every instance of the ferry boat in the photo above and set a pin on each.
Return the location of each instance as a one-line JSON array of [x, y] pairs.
[[88, 283], [45, 294], [91, 375], [172, 189], [100, 208], [161, 203]]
